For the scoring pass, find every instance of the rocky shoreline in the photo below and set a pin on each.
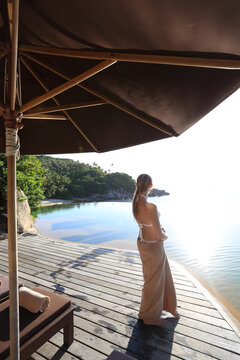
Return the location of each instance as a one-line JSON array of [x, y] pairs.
[[110, 196]]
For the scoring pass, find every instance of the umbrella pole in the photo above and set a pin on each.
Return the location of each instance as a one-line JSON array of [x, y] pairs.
[[12, 125], [13, 258]]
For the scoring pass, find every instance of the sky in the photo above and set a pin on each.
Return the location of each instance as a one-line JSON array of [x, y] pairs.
[[204, 159]]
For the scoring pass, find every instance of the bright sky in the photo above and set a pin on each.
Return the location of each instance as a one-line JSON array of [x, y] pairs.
[[202, 160]]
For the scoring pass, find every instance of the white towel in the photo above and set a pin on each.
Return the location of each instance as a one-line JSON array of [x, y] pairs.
[[33, 300]]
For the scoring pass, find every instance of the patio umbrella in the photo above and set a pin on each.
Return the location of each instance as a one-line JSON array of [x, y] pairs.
[[103, 75]]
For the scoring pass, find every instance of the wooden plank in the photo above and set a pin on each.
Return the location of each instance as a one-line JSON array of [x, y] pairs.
[[89, 277], [86, 272], [78, 351], [192, 338], [197, 334], [184, 347], [46, 263], [112, 255], [116, 263], [121, 295], [116, 303], [93, 282], [36, 356], [108, 268], [106, 264], [96, 268]]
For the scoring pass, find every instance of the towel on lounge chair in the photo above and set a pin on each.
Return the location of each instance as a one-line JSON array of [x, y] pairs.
[[33, 300]]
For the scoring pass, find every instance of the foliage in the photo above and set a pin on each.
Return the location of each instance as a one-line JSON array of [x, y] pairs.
[[55, 184], [30, 177], [45, 176], [68, 178]]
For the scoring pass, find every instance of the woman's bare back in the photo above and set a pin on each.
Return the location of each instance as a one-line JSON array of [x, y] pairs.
[[148, 220]]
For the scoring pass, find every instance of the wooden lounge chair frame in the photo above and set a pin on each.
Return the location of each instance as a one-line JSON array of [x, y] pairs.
[[63, 321]]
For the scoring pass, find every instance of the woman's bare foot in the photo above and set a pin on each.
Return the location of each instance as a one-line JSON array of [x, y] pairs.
[[159, 322]]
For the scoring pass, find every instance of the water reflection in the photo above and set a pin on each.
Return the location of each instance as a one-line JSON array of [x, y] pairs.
[[98, 237]]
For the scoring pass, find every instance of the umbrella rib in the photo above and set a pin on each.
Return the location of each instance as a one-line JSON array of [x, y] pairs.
[[67, 85], [79, 105], [44, 117], [58, 103], [136, 57], [103, 97]]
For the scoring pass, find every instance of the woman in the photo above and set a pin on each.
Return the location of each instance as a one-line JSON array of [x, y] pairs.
[[158, 291]]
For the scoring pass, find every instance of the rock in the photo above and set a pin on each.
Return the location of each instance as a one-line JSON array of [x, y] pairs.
[[156, 192], [24, 218]]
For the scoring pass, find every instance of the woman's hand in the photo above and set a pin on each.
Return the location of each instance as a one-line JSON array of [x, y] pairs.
[[164, 237]]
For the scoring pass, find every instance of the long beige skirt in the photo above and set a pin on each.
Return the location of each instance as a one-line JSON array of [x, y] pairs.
[[158, 291]]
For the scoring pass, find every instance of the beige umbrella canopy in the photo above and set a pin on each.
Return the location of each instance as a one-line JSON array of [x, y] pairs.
[[103, 75]]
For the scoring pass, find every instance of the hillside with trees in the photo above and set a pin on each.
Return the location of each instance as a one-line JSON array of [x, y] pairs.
[[46, 177], [67, 179]]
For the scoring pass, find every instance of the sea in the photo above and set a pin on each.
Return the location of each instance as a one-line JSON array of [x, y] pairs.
[[203, 234]]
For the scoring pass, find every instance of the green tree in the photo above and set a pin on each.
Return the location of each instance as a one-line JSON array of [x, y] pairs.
[[55, 184], [81, 180], [30, 177]]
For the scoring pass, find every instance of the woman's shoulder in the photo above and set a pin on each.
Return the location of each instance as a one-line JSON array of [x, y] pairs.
[[152, 207]]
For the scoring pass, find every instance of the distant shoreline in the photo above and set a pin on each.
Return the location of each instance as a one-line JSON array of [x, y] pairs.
[[52, 202]]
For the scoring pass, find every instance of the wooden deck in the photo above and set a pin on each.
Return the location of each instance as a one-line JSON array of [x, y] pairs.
[[105, 285]]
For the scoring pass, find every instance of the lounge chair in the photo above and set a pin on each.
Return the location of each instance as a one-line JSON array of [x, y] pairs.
[[36, 329]]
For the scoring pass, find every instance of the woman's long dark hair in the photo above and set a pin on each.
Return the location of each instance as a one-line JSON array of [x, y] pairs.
[[144, 181]]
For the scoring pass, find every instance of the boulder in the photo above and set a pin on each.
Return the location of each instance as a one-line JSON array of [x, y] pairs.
[[24, 218]]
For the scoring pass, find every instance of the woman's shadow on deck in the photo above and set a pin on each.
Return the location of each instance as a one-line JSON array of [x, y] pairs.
[[152, 342]]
